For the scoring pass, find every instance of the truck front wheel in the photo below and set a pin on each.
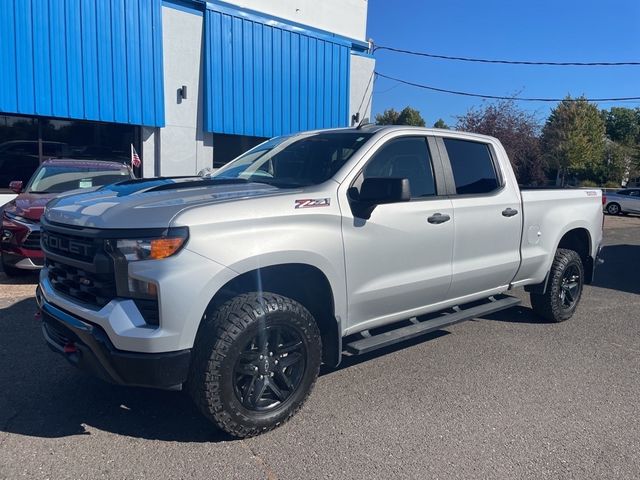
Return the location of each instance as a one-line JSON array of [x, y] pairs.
[[255, 362], [564, 288]]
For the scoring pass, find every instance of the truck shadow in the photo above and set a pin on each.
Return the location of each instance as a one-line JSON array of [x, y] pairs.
[[43, 396], [620, 268], [30, 278]]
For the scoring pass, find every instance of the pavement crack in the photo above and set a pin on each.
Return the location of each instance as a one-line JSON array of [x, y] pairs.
[[271, 475]]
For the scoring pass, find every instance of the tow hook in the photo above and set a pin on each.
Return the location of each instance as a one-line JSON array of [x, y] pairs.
[[70, 348]]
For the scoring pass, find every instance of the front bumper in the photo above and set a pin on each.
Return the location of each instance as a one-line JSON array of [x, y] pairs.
[[23, 259], [88, 347]]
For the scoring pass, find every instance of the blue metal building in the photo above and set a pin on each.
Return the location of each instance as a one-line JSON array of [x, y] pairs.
[[190, 83]]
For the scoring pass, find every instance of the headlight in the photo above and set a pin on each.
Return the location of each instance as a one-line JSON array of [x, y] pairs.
[[153, 248]]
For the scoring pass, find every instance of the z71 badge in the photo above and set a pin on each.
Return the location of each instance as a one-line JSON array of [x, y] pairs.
[[313, 202]]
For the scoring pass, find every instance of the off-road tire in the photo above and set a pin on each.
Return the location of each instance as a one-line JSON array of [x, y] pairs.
[[218, 346], [614, 208], [549, 305]]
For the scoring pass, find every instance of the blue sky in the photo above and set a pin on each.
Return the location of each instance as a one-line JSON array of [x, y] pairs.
[[551, 30]]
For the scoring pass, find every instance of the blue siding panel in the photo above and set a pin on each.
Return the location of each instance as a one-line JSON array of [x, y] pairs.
[[277, 81], [238, 98], [247, 75], [8, 56], [83, 59], [75, 86], [57, 39], [24, 59], [294, 96], [119, 65], [258, 73], [313, 83], [41, 58], [265, 78], [227, 72], [267, 91], [304, 83], [105, 59]]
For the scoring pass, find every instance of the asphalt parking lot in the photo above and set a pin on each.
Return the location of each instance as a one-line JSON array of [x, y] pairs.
[[505, 396]]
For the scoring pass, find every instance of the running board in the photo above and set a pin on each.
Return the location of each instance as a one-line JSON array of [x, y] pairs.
[[374, 342]]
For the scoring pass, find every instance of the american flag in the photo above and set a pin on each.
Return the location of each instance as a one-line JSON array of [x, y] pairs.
[[135, 158]]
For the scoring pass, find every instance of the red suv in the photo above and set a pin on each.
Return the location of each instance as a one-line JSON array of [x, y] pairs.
[[20, 232]]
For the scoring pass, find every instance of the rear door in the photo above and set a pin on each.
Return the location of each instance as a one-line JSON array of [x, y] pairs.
[[398, 260], [488, 226]]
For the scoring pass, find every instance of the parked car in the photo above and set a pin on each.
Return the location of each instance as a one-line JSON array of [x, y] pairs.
[[239, 285], [20, 233], [623, 202]]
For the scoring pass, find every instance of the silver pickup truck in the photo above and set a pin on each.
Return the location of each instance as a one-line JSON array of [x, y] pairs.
[[304, 249]]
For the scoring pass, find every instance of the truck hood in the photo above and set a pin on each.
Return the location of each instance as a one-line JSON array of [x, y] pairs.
[[149, 203]]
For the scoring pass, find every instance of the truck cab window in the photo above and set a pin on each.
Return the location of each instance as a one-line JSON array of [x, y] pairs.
[[404, 158], [472, 165]]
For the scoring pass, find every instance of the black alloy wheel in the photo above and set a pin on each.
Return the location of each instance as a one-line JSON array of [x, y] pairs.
[[270, 367]]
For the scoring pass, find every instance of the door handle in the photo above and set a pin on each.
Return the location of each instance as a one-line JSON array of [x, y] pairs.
[[438, 218], [509, 212]]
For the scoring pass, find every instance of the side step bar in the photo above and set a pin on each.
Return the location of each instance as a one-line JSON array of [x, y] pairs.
[[374, 342]]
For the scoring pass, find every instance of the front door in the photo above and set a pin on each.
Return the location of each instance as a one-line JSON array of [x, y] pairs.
[[398, 261]]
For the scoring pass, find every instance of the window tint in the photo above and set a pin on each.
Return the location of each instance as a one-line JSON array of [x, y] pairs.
[[297, 160], [405, 158], [473, 170]]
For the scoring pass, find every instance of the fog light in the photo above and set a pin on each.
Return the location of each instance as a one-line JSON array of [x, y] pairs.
[[7, 235], [142, 289]]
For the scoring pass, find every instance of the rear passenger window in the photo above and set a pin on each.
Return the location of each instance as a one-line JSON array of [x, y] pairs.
[[405, 158], [473, 169]]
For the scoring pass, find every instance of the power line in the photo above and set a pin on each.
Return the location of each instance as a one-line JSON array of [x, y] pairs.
[[506, 62], [499, 97]]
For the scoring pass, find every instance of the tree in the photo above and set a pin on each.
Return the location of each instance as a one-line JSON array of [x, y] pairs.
[[388, 117], [573, 139], [622, 125], [623, 128], [408, 116], [440, 124], [517, 130]]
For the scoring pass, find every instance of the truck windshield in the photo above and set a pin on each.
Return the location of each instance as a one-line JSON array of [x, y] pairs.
[[295, 161]]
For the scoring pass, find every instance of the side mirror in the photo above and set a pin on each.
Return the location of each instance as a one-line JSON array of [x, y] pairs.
[[379, 191], [16, 186]]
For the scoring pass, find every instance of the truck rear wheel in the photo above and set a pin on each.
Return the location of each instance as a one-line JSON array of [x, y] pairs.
[[255, 362], [564, 288]]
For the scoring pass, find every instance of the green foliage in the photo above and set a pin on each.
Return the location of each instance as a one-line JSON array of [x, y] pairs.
[[588, 183], [388, 117], [622, 125], [408, 116], [573, 139], [440, 124]]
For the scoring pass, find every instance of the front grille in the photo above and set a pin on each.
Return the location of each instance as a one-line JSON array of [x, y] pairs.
[[72, 246], [32, 241], [80, 267], [93, 288]]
